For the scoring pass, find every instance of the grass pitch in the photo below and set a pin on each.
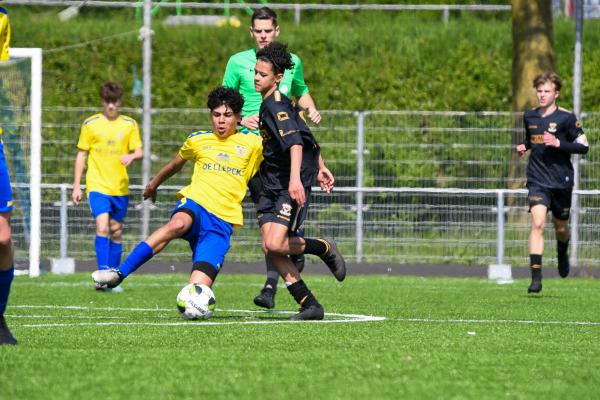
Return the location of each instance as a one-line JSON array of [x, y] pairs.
[[383, 337]]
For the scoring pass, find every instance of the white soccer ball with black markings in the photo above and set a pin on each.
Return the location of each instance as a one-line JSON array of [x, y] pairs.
[[196, 301]]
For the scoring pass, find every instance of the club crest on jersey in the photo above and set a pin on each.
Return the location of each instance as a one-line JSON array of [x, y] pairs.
[[240, 150], [282, 116], [223, 157], [286, 209], [552, 127]]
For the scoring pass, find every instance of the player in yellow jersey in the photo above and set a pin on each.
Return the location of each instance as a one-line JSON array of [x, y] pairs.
[[110, 142], [4, 34], [7, 270], [210, 206]]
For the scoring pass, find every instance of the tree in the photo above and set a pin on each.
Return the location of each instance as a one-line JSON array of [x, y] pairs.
[[533, 53]]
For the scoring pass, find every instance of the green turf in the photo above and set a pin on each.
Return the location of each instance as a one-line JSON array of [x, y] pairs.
[[442, 338]]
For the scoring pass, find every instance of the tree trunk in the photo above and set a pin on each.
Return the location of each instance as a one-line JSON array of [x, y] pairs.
[[533, 53]]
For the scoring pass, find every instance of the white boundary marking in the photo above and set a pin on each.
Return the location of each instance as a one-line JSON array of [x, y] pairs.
[[340, 317], [496, 321]]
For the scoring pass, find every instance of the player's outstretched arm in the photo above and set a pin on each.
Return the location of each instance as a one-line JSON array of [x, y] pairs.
[[306, 101], [78, 173], [250, 121], [165, 173]]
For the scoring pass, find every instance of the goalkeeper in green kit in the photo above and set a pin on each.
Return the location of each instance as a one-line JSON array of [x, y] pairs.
[[239, 75]]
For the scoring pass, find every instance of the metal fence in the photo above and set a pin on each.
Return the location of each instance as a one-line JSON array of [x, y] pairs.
[[412, 187]]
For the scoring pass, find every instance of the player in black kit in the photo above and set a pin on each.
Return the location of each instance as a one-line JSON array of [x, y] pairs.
[[292, 161], [552, 135]]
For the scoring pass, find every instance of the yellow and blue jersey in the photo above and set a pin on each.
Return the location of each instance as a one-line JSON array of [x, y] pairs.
[[4, 34], [222, 170], [106, 141]]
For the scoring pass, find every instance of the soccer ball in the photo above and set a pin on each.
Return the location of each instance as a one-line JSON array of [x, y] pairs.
[[196, 301]]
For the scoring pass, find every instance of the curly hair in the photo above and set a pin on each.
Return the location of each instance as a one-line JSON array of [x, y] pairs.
[[277, 55], [225, 96]]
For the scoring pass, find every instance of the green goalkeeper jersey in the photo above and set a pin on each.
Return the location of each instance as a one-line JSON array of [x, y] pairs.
[[239, 75]]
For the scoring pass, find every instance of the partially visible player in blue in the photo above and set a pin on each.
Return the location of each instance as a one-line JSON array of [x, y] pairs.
[[110, 142], [211, 205], [552, 135], [7, 270]]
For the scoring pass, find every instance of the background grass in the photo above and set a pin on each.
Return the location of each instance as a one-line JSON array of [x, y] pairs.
[[442, 338]]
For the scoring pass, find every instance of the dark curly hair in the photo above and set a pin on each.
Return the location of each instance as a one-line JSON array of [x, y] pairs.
[[225, 96], [277, 55]]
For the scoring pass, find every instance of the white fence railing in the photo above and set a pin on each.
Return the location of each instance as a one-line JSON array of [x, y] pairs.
[[298, 8], [392, 225]]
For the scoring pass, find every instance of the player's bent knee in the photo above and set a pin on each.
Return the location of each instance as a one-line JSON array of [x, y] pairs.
[[177, 227], [5, 241], [275, 246]]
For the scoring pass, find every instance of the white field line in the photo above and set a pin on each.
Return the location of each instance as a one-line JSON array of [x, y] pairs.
[[317, 280], [340, 317], [494, 321]]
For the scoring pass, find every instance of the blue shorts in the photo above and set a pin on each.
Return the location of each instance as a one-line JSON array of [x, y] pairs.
[[209, 237], [6, 199], [115, 206]]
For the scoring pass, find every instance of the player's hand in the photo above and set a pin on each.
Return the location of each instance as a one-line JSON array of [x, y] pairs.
[[521, 149], [297, 192], [314, 115], [551, 140], [76, 195], [150, 192], [126, 159], [250, 122], [325, 179]]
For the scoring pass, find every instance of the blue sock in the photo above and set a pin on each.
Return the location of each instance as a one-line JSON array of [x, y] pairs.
[[6, 278], [102, 246], [139, 255], [114, 255]]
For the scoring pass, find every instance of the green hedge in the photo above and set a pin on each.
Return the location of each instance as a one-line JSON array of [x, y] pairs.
[[353, 60]]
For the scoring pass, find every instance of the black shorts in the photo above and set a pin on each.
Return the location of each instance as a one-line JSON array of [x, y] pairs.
[[556, 200], [278, 207]]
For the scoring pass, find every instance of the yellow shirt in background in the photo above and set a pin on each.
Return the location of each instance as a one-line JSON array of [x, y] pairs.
[[4, 34], [106, 141], [222, 170]]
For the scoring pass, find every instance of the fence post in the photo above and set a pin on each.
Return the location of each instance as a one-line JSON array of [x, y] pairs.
[[500, 272], [577, 73], [297, 14], [500, 229], [146, 35], [64, 232], [360, 162], [63, 264], [446, 15]]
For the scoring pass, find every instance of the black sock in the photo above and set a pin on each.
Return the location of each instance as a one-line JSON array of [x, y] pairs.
[[317, 247], [562, 247], [535, 263], [302, 294], [272, 275]]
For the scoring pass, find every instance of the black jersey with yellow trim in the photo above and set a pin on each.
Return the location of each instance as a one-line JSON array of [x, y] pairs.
[[281, 127], [548, 166]]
